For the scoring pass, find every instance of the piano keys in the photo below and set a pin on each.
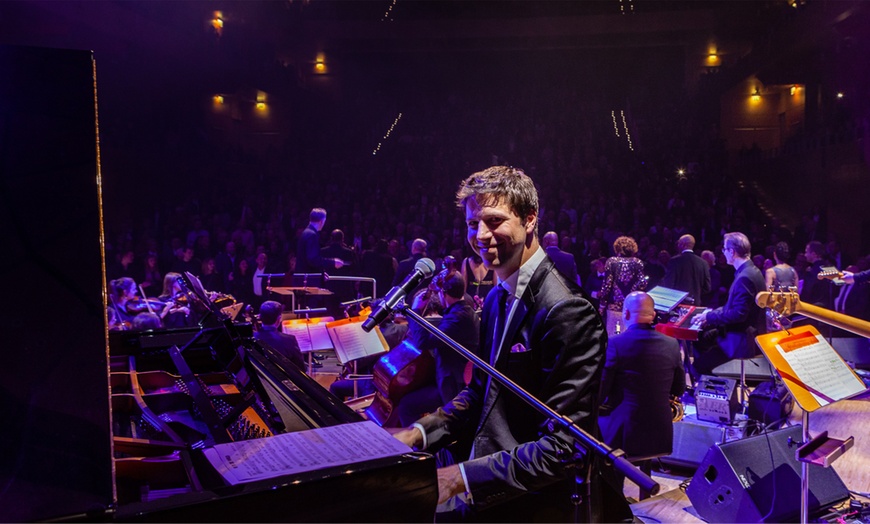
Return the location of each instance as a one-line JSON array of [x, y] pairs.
[[683, 324]]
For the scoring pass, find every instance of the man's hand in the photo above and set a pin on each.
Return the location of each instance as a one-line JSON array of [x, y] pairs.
[[848, 277], [339, 263], [411, 437], [450, 483]]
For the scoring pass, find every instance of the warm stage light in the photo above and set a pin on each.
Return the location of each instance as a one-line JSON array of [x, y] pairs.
[[218, 99], [792, 90], [261, 106], [320, 67], [756, 96], [840, 95]]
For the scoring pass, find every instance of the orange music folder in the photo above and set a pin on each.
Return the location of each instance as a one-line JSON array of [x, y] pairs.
[[812, 370]]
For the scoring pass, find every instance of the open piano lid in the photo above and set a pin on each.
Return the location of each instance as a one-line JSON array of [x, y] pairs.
[[56, 459]]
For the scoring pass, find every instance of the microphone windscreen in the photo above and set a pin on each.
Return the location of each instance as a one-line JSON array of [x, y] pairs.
[[425, 266]]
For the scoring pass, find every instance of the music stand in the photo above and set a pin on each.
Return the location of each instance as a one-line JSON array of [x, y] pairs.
[[816, 376]]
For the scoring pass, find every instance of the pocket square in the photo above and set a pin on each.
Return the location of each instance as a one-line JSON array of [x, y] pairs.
[[518, 348]]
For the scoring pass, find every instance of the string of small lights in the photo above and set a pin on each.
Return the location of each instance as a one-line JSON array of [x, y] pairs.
[[388, 15], [627, 134], [390, 130], [623, 10], [615, 127]]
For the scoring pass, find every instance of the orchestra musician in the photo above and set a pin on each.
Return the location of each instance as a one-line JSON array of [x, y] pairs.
[[270, 333], [457, 322], [121, 291], [539, 329], [642, 370], [176, 310], [739, 321]]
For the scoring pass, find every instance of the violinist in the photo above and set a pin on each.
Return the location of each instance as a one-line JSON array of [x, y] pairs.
[[458, 322], [121, 292], [175, 312]]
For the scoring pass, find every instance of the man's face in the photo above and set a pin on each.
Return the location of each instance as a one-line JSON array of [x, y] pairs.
[[729, 255], [811, 256], [188, 255], [498, 235]]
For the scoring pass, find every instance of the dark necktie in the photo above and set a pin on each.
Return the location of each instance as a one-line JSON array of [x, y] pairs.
[[500, 320]]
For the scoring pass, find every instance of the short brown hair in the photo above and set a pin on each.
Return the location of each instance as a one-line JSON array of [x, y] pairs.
[[738, 242], [501, 183], [625, 246]]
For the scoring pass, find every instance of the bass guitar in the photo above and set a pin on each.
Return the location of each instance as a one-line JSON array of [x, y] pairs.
[[788, 302]]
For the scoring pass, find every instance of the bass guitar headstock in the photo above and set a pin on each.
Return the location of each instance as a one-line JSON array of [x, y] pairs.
[[783, 302]]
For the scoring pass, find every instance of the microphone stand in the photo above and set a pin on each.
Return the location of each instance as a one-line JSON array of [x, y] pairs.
[[583, 441]]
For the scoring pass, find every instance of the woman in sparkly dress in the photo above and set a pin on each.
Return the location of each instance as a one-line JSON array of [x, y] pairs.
[[622, 275]]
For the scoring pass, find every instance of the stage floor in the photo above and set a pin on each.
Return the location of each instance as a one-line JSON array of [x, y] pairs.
[[842, 420]]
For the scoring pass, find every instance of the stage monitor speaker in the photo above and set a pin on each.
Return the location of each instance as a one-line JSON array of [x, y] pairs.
[[758, 479], [692, 439], [716, 399]]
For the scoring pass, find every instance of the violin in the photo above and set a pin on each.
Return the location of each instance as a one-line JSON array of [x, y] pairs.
[[143, 305]]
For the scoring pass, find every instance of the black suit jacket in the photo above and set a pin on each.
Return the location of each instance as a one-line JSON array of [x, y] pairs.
[[564, 262], [554, 348], [642, 369], [740, 319], [688, 272], [308, 259], [282, 343]]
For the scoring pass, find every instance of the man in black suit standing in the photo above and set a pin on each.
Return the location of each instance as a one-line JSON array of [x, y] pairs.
[[740, 320], [687, 271], [308, 258], [642, 370], [565, 262], [538, 328]]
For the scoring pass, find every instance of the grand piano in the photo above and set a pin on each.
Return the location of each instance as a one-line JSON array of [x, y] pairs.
[[103, 427]]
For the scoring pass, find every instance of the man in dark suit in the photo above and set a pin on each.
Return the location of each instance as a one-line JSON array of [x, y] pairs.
[[308, 258], [642, 369], [814, 291], [565, 262], [540, 331], [271, 335], [740, 320], [687, 271], [406, 266]]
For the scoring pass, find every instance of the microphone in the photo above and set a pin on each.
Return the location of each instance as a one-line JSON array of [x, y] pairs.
[[423, 269]]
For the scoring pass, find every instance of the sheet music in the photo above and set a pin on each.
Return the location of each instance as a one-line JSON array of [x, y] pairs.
[[352, 342], [818, 366], [302, 451], [311, 336]]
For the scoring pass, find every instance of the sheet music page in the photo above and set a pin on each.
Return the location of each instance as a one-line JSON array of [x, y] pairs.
[[302, 451], [300, 331], [352, 342], [319, 337], [819, 367], [310, 334]]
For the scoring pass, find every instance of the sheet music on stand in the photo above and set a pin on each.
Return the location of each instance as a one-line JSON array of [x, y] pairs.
[[812, 370], [310, 333], [352, 342]]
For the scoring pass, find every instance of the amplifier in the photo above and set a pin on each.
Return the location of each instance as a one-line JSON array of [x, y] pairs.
[[716, 399]]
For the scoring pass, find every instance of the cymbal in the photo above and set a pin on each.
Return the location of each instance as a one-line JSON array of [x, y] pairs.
[[288, 290]]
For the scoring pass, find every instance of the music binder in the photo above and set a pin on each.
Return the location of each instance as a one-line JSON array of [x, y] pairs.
[[811, 369]]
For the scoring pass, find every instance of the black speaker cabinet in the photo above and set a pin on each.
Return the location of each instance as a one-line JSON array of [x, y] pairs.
[[758, 479]]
